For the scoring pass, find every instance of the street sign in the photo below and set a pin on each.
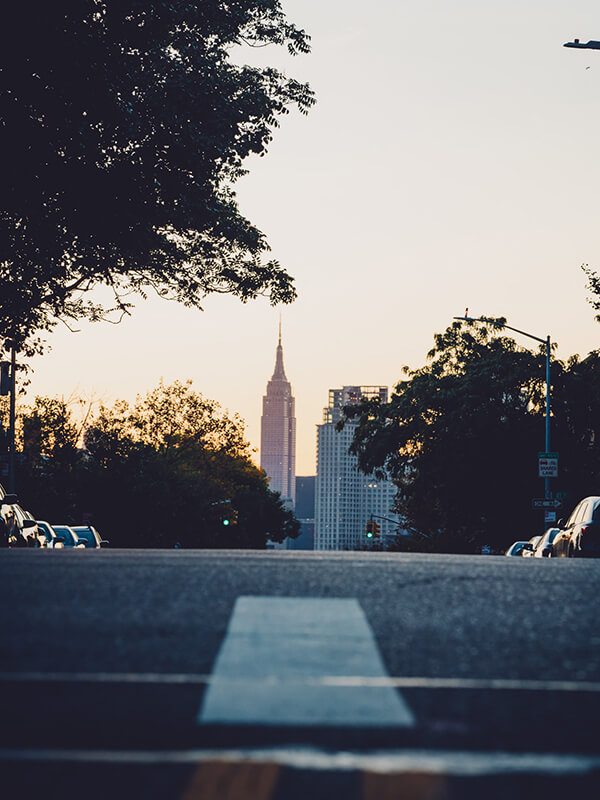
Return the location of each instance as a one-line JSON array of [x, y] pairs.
[[541, 503], [548, 465], [549, 517]]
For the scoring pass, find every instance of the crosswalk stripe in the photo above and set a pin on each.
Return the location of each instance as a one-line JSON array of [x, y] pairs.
[[276, 651]]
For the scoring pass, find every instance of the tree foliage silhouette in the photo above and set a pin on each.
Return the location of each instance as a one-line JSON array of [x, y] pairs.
[[460, 438], [160, 471], [123, 129]]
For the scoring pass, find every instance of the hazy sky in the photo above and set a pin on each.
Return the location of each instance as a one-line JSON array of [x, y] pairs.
[[451, 161]]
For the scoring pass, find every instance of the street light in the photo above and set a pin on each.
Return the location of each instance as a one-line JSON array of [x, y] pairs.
[[591, 45], [546, 342]]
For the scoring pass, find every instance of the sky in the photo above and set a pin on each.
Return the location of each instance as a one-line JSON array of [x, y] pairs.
[[451, 161]]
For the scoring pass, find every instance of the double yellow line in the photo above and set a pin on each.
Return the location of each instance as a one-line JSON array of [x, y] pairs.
[[222, 780]]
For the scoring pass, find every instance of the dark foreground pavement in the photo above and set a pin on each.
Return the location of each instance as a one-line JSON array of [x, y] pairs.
[[107, 658]]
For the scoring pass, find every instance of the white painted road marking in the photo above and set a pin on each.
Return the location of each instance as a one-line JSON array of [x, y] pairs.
[[449, 762], [409, 682], [277, 650]]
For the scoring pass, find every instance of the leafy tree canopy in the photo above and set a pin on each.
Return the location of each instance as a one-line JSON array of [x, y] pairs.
[[460, 437], [594, 287], [163, 470], [123, 128], [171, 417]]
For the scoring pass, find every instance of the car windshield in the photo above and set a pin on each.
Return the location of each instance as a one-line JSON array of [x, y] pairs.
[[45, 529], [87, 534], [63, 531]]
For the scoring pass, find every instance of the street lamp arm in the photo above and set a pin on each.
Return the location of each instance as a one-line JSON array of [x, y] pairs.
[[395, 522], [387, 519], [591, 45], [502, 325]]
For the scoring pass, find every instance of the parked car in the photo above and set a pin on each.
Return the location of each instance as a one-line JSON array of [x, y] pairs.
[[530, 546], [20, 529], [579, 536], [516, 548], [68, 537], [48, 536], [545, 546], [90, 536]]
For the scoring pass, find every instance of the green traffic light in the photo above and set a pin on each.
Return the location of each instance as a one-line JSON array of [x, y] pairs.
[[225, 522], [369, 535]]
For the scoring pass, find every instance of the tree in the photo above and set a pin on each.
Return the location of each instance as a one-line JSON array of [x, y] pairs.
[[123, 129], [459, 439], [51, 462], [594, 287], [170, 467], [576, 423]]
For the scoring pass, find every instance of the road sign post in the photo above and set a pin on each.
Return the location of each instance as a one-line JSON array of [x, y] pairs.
[[542, 503]]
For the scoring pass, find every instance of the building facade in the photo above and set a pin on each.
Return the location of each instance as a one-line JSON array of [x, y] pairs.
[[345, 498], [278, 432], [305, 513]]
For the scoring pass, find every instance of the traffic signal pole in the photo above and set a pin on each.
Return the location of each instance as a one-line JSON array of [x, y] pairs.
[[547, 485], [12, 482]]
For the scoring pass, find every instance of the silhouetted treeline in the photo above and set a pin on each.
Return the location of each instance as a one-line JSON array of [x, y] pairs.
[[165, 470], [460, 438]]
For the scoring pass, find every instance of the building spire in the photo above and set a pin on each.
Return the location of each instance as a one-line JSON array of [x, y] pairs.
[[279, 373]]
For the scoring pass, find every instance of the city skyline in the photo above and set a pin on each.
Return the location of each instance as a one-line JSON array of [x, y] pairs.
[[441, 168]]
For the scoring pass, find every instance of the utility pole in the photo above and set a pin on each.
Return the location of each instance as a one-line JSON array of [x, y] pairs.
[[12, 483]]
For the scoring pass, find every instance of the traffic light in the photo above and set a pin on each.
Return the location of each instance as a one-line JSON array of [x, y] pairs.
[[376, 530], [370, 528], [229, 518]]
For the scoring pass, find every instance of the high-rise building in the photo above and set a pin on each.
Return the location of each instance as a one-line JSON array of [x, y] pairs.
[[346, 498], [305, 514], [278, 432]]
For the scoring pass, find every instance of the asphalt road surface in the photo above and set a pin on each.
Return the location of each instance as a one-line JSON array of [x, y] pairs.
[[216, 676]]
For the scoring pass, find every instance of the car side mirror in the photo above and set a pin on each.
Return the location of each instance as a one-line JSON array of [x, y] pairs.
[[61, 538], [528, 546]]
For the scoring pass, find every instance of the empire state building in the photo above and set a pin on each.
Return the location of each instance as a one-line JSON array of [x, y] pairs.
[[278, 432]]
